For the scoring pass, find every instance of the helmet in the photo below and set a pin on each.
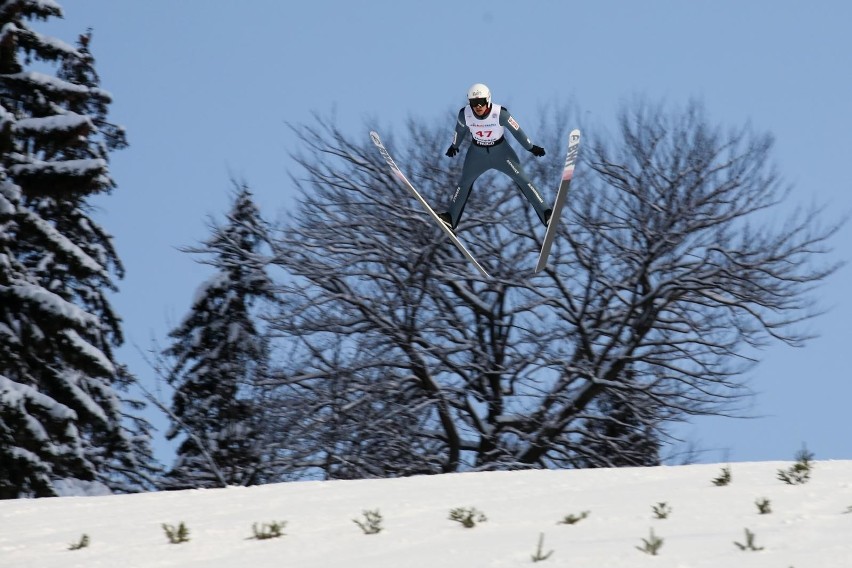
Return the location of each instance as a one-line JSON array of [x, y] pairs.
[[479, 91]]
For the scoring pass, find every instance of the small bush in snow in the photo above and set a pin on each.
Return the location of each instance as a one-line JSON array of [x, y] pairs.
[[651, 545], [800, 472], [82, 543], [372, 523], [724, 478], [468, 517], [176, 535], [267, 531], [749, 543], [661, 511], [764, 507], [573, 519], [539, 555]]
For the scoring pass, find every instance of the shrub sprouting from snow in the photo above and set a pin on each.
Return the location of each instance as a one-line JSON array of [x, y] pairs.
[[372, 523], [800, 472], [266, 531], [749, 543], [661, 510], [468, 517], [724, 477], [82, 543], [651, 545], [573, 519], [176, 535], [539, 554]]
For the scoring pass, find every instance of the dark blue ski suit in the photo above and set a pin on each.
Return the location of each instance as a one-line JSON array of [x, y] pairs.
[[489, 150]]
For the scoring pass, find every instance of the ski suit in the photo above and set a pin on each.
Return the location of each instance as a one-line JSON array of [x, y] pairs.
[[489, 150]]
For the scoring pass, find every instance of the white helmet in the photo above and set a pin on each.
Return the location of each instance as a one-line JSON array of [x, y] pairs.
[[479, 91]]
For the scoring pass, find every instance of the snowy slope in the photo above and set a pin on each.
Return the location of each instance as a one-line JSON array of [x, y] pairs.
[[809, 525]]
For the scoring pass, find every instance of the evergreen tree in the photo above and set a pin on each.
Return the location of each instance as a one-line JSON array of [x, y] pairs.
[[219, 358], [61, 414]]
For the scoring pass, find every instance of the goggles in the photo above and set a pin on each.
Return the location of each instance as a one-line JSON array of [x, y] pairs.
[[478, 102]]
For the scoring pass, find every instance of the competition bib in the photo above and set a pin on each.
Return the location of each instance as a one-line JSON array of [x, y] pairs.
[[486, 131]]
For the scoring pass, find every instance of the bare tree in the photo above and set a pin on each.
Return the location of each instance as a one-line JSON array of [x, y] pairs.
[[668, 271], [676, 265]]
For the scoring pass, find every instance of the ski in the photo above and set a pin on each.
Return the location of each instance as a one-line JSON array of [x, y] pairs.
[[561, 195], [407, 184]]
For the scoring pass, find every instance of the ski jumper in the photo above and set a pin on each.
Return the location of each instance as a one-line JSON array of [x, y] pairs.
[[489, 150]]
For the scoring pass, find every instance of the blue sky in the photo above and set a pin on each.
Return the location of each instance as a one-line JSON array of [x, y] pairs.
[[206, 89]]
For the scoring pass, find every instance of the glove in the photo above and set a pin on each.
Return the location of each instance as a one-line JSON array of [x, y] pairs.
[[537, 151], [452, 151]]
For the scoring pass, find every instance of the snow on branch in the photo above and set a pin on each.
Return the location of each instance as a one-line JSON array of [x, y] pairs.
[[69, 122], [78, 168], [41, 8], [62, 177], [9, 195], [47, 82], [89, 351], [16, 395], [50, 302], [64, 244]]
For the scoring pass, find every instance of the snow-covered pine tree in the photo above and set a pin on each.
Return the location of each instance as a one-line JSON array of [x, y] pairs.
[[61, 416], [219, 358], [125, 470]]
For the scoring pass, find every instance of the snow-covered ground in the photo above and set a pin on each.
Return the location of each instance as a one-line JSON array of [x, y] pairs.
[[809, 525]]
